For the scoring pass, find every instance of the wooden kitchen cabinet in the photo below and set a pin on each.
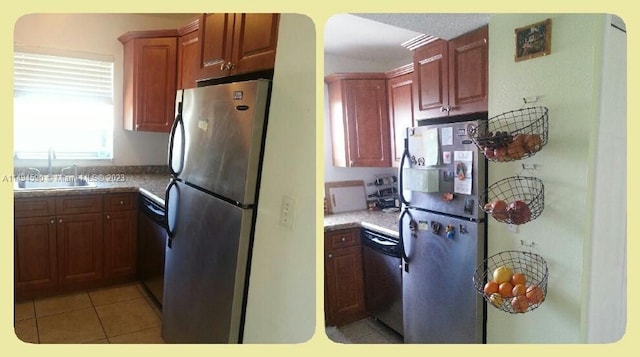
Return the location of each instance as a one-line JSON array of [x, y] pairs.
[[73, 242], [232, 44], [344, 283], [35, 256], [120, 236], [150, 70], [80, 257], [359, 119], [451, 77], [188, 51], [400, 98]]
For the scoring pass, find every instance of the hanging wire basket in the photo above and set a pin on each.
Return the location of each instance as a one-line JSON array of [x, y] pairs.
[[512, 135], [531, 265], [514, 200]]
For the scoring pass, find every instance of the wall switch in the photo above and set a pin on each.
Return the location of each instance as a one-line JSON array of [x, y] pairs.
[[287, 212]]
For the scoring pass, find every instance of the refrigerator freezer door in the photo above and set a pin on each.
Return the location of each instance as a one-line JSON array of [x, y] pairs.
[[204, 268], [224, 129], [454, 144], [440, 303]]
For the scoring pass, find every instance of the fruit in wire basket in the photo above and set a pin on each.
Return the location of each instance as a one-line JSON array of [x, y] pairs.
[[533, 142], [519, 212], [496, 299], [534, 294], [519, 304], [518, 278], [491, 287], [506, 289], [502, 274], [497, 209], [519, 290]]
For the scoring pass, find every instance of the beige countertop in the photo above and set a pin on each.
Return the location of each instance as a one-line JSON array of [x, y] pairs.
[[380, 221], [152, 185]]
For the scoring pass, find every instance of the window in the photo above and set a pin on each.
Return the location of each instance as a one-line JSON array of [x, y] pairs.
[[64, 104]]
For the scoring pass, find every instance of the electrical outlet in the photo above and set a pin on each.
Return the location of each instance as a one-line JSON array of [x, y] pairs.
[[287, 212]]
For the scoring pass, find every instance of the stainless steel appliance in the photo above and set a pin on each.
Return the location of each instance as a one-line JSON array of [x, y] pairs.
[[382, 264], [215, 157], [443, 234], [152, 239]]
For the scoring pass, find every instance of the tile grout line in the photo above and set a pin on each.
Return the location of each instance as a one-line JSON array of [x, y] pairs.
[[93, 304]]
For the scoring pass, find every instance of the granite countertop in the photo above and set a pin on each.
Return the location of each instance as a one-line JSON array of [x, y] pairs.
[[380, 221], [151, 185]]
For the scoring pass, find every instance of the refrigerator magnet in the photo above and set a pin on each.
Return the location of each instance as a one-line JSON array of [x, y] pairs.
[[446, 157]]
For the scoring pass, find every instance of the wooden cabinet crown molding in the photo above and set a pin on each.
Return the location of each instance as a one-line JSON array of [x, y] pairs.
[[194, 25], [399, 71], [360, 75], [147, 34]]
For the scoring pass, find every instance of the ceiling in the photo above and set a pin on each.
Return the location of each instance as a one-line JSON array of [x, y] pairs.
[[380, 36]]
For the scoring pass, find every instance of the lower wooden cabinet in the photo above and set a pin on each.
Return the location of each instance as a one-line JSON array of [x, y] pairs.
[[344, 284], [58, 250]]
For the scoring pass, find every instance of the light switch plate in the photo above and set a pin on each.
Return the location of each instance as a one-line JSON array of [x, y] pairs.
[[287, 211]]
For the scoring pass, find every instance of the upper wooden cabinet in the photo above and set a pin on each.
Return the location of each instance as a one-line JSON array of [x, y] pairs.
[[188, 51], [451, 77], [232, 44], [149, 79], [359, 119], [400, 98]]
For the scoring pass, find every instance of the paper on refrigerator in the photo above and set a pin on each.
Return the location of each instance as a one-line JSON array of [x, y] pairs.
[[463, 182]]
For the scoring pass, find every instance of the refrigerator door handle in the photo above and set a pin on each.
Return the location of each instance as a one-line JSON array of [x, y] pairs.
[[177, 123], [170, 212], [405, 155], [401, 231]]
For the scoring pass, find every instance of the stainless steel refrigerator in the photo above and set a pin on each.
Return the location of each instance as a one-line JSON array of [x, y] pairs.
[[215, 158], [443, 235]]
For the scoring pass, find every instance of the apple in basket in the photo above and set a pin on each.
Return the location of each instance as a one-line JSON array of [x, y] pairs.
[[497, 209], [519, 212]]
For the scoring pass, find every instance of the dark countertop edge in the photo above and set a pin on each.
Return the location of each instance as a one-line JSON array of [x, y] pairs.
[[72, 191]]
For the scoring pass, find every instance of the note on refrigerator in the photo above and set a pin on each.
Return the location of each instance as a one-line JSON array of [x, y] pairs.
[[431, 147], [447, 136], [463, 182]]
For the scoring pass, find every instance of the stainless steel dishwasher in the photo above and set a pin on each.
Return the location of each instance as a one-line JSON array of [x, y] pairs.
[[152, 239], [382, 265]]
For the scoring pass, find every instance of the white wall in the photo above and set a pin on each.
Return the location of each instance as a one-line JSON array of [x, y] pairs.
[[567, 81], [336, 64], [281, 305], [98, 34]]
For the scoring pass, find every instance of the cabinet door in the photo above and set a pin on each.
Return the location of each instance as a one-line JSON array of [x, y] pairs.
[[431, 77], [120, 233], [344, 293], [188, 49], [400, 113], [468, 72], [216, 39], [254, 44], [35, 268], [155, 89], [80, 249], [367, 123]]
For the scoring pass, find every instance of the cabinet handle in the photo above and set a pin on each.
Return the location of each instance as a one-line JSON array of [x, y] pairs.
[[52, 221], [227, 66], [60, 220], [343, 239], [108, 217], [330, 256], [121, 202]]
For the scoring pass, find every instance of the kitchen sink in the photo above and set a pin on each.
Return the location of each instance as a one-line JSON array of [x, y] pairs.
[[53, 182]]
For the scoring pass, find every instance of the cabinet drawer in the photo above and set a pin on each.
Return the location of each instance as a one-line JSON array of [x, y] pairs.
[[120, 201], [34, 207], [79, 204], [342, 238]]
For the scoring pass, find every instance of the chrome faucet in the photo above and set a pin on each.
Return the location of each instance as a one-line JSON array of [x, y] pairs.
[[75, 170], [50, 157]]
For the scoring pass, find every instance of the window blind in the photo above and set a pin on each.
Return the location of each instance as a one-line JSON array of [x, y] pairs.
[[67, 76]]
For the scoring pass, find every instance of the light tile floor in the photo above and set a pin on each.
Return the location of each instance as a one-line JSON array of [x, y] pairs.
[[368, 330], [119, 314]]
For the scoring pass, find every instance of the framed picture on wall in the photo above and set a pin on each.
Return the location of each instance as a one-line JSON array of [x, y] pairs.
[[533, 41]]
